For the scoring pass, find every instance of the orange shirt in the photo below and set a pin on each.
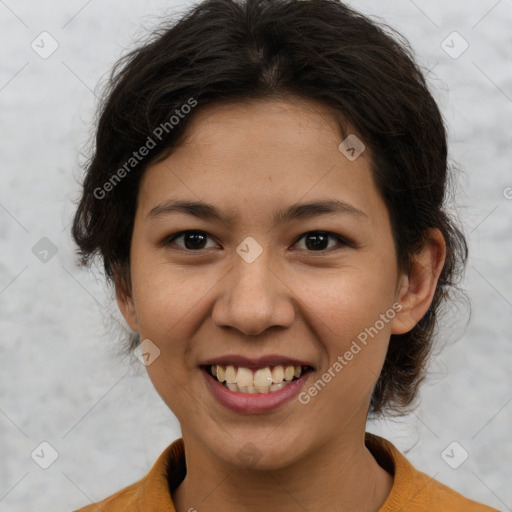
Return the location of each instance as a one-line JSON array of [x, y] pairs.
[[412, 491]]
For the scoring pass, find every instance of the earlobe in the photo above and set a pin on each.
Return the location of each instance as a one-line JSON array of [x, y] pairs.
[[125, 303], [416, 290]]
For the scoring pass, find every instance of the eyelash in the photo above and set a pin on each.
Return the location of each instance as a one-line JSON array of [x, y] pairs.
[[342, 241]]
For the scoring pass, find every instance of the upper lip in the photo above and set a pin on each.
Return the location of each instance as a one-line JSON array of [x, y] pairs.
[[256, 362]]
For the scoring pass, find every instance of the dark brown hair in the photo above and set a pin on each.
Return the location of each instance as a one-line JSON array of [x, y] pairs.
[[228, 50]]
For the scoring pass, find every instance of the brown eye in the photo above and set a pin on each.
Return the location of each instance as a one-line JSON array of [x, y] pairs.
[[192, 240], [318, 241]]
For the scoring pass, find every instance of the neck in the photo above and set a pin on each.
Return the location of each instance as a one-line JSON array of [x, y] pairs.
[[341, 475]]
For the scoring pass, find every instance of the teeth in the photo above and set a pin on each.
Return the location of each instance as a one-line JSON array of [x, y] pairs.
[[230, 374], [244, 377], [262, 377], [277, 374], [289, 372], [263, 380], [220, 373]]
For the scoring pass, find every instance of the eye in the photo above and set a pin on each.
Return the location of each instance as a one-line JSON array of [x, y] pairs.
[[314, 241], [193, 240], [318, 241]]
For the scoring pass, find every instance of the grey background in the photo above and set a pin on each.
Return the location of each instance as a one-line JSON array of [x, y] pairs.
[[63, 379]]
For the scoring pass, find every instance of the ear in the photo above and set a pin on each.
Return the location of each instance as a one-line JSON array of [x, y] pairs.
[[416, 290], [124, 298]]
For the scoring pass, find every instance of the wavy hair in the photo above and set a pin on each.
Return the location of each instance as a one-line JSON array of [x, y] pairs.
[[229, 50]]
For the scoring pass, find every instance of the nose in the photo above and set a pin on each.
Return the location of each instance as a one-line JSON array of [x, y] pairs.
[[254, 298]]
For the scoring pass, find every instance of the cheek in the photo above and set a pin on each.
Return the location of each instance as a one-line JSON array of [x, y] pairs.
[[349, 299], [163, 293], [355, 340], [353, 308]]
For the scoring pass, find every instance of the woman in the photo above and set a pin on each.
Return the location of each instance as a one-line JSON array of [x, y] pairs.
[[266, 195]]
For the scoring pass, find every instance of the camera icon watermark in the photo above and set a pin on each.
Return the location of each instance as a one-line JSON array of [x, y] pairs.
[[249, 250], [44, 45], [44, 455], [454, 455], [454, 45], [507, 192], [147, 352], [352, 147], [44, 250]]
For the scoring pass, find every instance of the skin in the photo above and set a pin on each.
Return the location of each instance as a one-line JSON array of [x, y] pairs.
[[250, 160]]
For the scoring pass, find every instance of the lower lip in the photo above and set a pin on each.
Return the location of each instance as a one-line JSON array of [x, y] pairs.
[[254, 403]]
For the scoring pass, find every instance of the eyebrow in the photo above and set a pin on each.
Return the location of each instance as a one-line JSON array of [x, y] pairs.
[[293, 212]]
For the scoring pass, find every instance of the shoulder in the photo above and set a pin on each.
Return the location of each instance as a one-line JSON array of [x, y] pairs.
[[153, 492], [413, 490], [123, 500], [436, 496]]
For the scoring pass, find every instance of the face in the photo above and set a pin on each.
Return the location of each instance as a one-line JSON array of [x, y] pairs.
[[266, 284]]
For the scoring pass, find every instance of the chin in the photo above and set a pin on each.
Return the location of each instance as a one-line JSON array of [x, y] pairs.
[[260, 451]]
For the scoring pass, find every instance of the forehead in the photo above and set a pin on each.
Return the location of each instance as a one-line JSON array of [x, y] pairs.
[[276, 123], [253, 154]]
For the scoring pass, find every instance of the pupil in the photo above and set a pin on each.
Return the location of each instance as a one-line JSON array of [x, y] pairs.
[[317, 240], [196, 239]]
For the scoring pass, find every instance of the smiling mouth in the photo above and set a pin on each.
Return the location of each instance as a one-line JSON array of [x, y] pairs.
[[262, 380]]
